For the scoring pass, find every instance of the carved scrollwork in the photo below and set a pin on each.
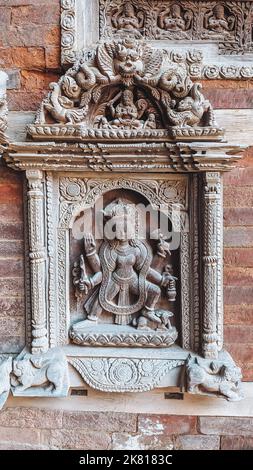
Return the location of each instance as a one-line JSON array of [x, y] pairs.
[[223, 22], [128, 90], [121, 374]]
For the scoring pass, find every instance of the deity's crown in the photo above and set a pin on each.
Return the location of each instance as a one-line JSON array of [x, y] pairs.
[[120, 209]]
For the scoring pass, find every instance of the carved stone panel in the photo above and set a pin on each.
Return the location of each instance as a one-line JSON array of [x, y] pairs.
[[225, 25]]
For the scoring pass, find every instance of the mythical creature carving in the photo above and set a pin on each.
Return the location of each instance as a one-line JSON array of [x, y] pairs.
[[174, 19], [189, 111], [123, 282], [5, 370], [127, 85], [127, 19], [213, 378], [40, 374], [218, 20], [3, 107]]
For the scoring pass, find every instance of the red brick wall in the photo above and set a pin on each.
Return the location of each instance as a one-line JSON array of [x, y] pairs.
[[36, 428]]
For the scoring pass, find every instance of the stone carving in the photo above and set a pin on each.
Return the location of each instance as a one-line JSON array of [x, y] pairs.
[[3, 107], [211, 256], [40, 374], [186, 20], [174, 19], [127, 90], [68, 29], [123, 374], [5, 370], [127, 19], [37, 255], [218, 21], [124, 284], [127, 114], [213, 378]]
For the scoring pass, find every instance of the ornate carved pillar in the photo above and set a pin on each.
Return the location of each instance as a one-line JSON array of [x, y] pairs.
[[37, 255], [211, 260]]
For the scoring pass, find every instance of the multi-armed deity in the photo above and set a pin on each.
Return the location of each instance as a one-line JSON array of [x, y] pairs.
[[123, 282]]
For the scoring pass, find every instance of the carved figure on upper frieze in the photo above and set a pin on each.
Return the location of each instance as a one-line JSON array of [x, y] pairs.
[[127, 19], [174, 19], [218, 20]]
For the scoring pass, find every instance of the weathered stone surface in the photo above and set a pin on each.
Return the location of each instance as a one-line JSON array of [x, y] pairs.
[[13, 267], [25, 101], [8, 445], [236, 443], [10, 192], [23, 57], [228, 99], [239, 177], [226, 425], [11, 212], [36, 14], [124, 441], [12, 287], [238, 216], [10, 326], [233, 296], [73, 439], [13, 79], [36, 418], [107, 422], [197, 443], [13, 435], [242, 332], [12, 307], [11, 248], [12, 344], [238, 316], [238, 276], [166, 424], [238, 196], [238, 236], [52, 57], [238, 257]]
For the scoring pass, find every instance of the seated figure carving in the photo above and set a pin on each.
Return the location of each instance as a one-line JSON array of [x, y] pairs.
[[126, 114], [173, 19], [123, 282], [218, 21], [127, 19]]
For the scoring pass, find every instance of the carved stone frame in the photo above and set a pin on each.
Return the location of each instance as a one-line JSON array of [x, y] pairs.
[[201, 63]]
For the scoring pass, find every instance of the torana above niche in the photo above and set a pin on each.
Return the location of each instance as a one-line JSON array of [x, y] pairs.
[[124, 230], [214, 37], [128, 90]]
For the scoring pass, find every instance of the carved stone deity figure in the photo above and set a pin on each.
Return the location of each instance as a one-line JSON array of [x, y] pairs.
[[173, 19], [217, 20], [123, 281], [126, 19], [127, 114]]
